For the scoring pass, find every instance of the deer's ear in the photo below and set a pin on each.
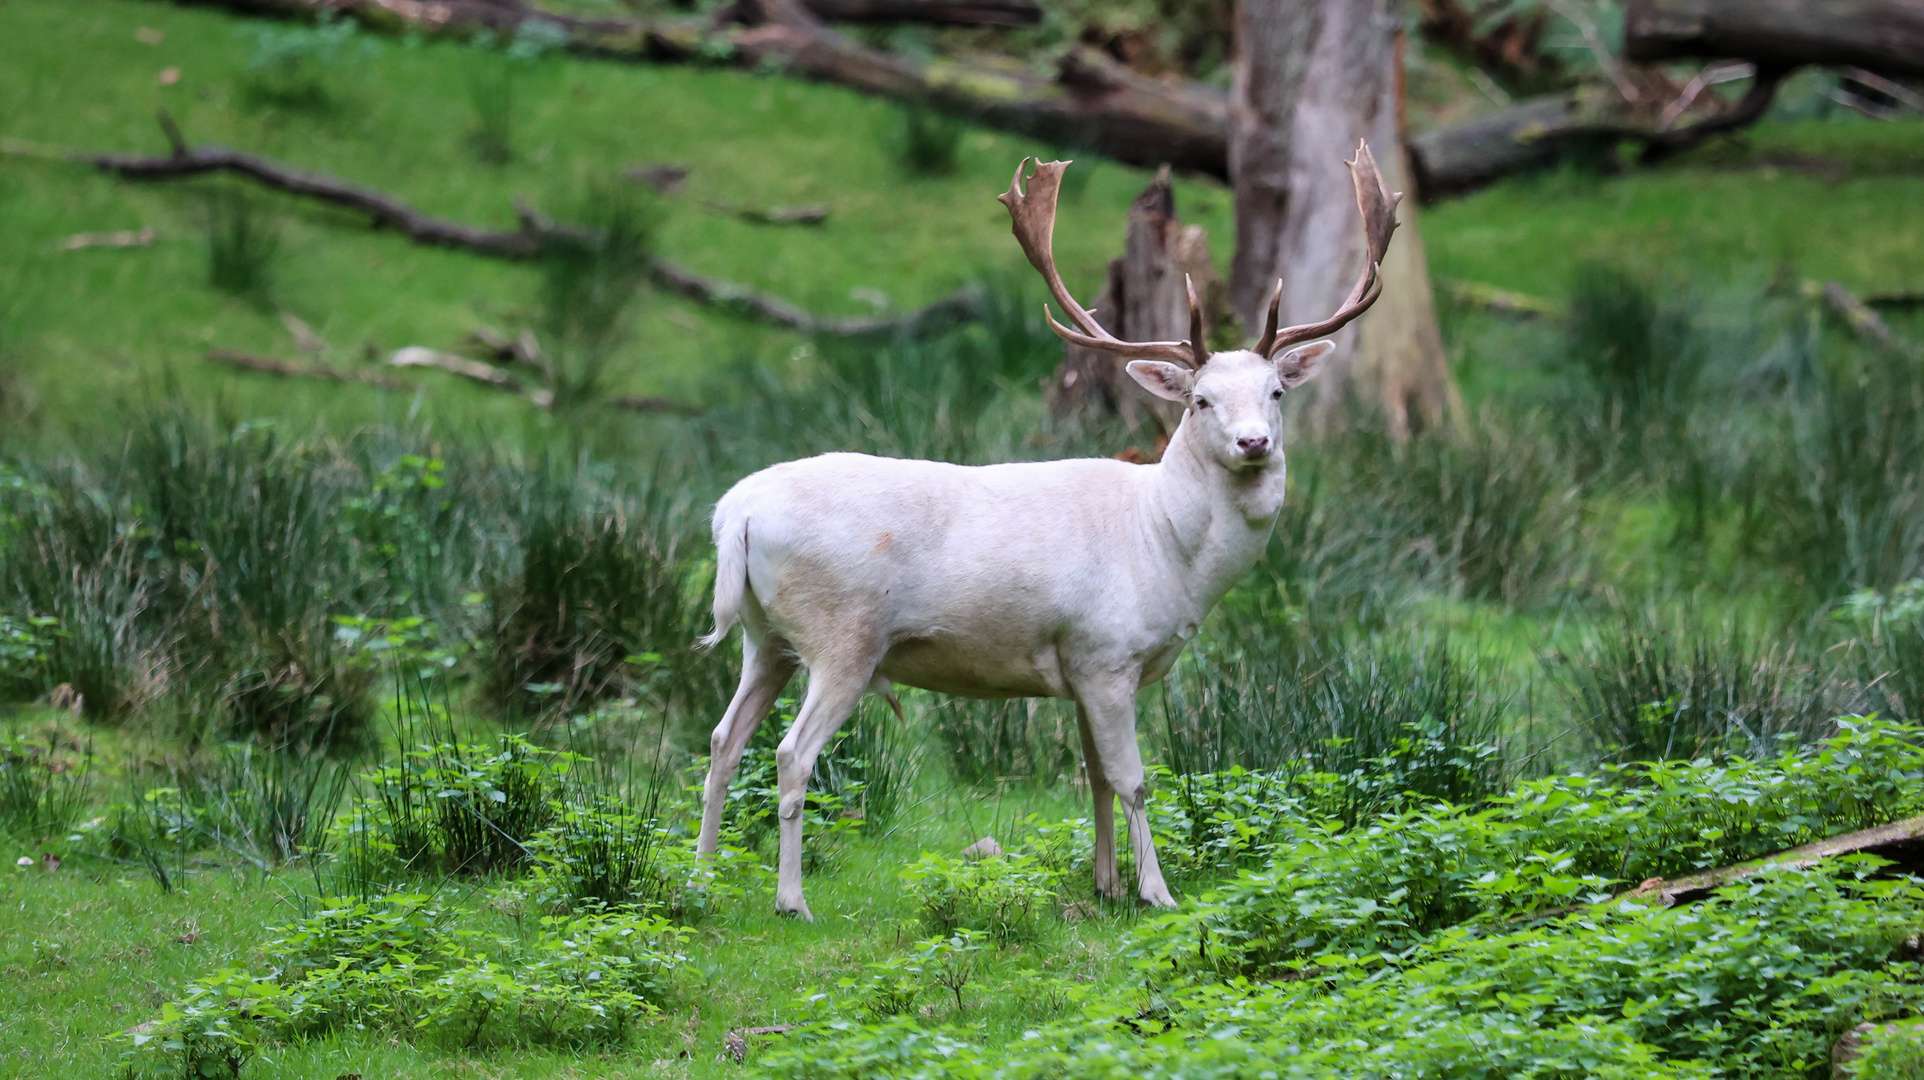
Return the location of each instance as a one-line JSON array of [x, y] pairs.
[[1300, 364], [1170, 382]]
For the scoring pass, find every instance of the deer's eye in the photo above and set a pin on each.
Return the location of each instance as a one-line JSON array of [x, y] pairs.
[[1276, 394], [1202, 403]]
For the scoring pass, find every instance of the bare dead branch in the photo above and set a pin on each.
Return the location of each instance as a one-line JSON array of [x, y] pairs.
[[117, 238], [527, 241], [289, 370]]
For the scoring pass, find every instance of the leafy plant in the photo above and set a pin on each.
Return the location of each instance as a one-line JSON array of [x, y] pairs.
[[291, 66], [42, 789], [1002, 896]]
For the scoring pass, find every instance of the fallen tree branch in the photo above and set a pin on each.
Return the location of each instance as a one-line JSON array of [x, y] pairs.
[[1900, 842], [736, 1041], [1501, 301], [1539, 132], [527, 241], [1885, 36], [288, 370], [487, 375]]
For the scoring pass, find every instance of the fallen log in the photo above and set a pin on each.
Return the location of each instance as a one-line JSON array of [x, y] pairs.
[[1540, 132], [526, 241], [1884, 36], [1901, 843], [939, 12]]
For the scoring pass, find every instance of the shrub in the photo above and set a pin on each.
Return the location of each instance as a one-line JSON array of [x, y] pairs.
[[1551, 842], [401, 965], [1622, 993], [456, 808], [293, 66], [1003, 896], [24, 644]]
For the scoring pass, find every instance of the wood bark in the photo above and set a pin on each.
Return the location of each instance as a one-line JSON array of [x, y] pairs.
[[1885, 36], [1143, 298], [940, 12], [525, 242], [1541, 131], [1313, 77]]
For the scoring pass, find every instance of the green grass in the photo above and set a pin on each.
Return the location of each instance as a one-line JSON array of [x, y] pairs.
[[120, 954]]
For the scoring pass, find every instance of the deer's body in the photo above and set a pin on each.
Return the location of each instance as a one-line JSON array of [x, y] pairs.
[[994, 580], [1076, 579]]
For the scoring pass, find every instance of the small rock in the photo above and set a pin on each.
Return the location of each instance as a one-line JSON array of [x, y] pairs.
[[985, 848], [169, 76]]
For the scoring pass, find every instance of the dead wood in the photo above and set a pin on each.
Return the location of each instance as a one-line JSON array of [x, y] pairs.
[[527, 241], [1540, 132], [1901, 843], [1511, 47], [736, 1041], [1884, 36], [808, 214], [939, 12], [1143, 298], [116, 238], [1490, 298], [289, 370]]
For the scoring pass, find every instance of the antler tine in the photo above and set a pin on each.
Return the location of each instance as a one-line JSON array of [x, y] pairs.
[[1032, 214], [1377, 205], [1275, 314], [1198, 343]]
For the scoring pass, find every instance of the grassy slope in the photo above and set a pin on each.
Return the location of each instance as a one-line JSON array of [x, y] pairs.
[[96, 325], [104, 321]]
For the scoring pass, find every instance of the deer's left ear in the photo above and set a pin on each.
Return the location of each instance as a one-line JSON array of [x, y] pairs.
[[1300, 364], [1170, 382]]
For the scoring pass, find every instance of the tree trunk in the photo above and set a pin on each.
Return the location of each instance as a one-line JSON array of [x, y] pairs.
[[1312, 78], [1142, 299], [1886, 36]]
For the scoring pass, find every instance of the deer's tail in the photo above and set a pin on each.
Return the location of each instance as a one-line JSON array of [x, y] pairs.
[[731, 575]]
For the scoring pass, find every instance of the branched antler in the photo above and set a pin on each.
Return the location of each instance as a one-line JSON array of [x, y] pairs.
[[1377, 203], [1033, 213]]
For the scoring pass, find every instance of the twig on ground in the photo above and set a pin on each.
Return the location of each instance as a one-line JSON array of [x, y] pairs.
[[288, 370], [116, 238]]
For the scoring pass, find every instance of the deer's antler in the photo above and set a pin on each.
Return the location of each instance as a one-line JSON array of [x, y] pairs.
[[1033, 213], [1377, 203]]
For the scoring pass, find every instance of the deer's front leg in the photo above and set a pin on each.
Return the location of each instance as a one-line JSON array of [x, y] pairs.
[[1109, 704], [1108, 882]]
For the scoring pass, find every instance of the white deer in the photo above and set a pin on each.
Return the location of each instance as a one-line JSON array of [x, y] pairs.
[[1080, 579]]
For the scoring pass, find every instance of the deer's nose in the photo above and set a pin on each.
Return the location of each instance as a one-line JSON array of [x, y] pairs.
[[1254, 447]]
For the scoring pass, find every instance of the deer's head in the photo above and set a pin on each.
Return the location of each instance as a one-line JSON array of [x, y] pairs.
[[1233, 398]]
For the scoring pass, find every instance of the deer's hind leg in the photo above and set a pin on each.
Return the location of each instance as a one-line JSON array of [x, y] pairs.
[[766, 669], [835, 686]]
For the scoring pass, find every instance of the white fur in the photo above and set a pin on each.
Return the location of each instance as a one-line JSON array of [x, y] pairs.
[[1078, 579]]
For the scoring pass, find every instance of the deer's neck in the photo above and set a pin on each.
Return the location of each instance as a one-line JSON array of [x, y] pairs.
[[1212, 521]]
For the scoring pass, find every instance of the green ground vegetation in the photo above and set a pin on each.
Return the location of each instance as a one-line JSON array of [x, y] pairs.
[[350, 731]]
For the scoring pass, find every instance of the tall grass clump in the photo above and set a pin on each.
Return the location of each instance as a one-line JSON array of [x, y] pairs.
[[1634, 348], [1652, 685], [269, 807], [45, 785], [491, 97], [1383, 718], [592, 603], [1840, 502], [590, 275], [1026, 739], [925, 142], [243, 242]]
